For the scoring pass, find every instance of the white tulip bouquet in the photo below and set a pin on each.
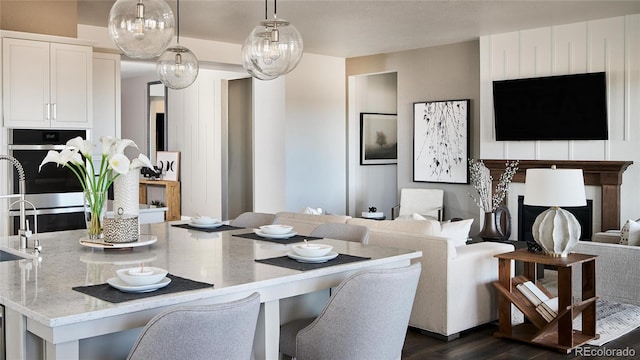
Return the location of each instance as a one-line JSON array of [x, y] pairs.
[[78, 157]]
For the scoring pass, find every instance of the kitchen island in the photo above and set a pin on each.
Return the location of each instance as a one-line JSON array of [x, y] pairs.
[[46, 318]]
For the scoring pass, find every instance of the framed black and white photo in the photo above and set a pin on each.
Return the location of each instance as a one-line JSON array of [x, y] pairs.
[[378, 139], [441, 141], [169, 164]]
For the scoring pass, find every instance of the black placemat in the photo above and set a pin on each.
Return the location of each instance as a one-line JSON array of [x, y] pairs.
[[209, 230], [292, 240], [287, 262], [107, 293]]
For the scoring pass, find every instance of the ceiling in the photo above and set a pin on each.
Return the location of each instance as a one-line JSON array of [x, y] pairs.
[[366, 27]]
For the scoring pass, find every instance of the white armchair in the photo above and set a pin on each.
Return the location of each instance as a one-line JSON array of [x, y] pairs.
[[426, 202]]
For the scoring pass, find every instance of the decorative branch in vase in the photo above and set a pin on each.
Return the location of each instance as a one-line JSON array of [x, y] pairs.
[[491, 202], [77, 155]]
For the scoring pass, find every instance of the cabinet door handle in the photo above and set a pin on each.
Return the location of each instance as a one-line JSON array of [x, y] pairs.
[[48, 111], [55, 111]]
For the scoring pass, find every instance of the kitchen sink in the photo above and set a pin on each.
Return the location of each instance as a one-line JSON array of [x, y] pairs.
[[5, 256]]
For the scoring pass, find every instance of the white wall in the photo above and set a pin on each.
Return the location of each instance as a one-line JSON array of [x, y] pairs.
[[195, 130], [437, 73], [611, 45], [315, 131], [371, 185], [269, 164]]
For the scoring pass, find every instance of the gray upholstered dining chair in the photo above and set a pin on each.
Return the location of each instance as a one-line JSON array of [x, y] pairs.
[[366, 318], [348, 232], [219, 331], [253, 219]]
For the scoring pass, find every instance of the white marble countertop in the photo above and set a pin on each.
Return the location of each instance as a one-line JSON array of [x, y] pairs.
[[42, 290]]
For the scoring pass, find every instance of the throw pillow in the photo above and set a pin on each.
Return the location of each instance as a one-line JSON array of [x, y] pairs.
[[457, 230], [630, 233], [411, 217]]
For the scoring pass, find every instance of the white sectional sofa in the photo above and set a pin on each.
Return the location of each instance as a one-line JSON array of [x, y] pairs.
[[455, 291], [305, 223]]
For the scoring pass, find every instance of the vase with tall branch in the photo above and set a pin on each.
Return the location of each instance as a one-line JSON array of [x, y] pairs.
[[490, 202]]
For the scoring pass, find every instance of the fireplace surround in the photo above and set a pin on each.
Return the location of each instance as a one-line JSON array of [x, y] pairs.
[[605, 174]]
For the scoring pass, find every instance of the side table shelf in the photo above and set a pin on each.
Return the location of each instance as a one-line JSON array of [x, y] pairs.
[[557, 334], [172, 196]]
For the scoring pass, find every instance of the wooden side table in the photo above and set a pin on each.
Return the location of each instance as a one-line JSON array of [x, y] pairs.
[[557, 334], [172, 196]]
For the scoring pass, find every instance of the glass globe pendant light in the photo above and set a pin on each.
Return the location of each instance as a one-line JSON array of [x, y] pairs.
[[177, 67], [273, 48], [142, 29]]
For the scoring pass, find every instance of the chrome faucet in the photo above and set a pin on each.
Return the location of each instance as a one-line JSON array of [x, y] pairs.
[[22, 232], [27, 234]]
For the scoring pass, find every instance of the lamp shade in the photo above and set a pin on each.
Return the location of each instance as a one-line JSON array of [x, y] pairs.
[[554, 187], [142, 29]]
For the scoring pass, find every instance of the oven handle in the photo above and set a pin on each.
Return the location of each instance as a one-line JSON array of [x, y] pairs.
[[36, 147], [64, 210]]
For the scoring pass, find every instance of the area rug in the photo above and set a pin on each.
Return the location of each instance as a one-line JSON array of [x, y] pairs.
[[612, 319]]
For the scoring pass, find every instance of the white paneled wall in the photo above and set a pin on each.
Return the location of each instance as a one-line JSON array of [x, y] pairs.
[[611, 45], [195, 131]]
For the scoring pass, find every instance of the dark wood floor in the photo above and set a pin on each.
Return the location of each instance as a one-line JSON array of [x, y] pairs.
[[479, 343]]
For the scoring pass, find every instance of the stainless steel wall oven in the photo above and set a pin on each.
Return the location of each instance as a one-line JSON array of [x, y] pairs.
[[55, 191]]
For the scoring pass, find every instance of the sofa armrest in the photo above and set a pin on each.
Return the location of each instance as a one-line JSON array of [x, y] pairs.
[[460, 277], [617, 271]]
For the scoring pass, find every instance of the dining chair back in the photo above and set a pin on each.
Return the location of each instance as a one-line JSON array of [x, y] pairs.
[[356, 233], [219, 331], [366, 318], [253, 219]]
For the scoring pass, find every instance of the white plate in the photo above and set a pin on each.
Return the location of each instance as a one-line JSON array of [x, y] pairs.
[[142, 241], [117, 283], [313, 260], [206, 226], [274, 236]]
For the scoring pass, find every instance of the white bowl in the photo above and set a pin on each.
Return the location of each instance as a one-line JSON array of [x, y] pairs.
[[276, 229], [133, 276], [205, 220], [312, 250]]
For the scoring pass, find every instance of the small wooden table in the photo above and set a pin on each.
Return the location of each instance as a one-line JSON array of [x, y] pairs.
[[172, 196], [557, 334]]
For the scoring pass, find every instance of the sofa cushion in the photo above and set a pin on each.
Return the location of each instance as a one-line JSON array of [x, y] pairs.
[[457, 230], [630, 233], [609, 236], [401, 226], [415, 217]]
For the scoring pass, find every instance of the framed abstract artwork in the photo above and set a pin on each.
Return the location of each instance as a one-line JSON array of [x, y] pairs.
[[169, 164], [441, 141], [378, 139]]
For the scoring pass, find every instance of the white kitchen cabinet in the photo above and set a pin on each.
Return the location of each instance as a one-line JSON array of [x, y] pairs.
[[47, 84], [106, 96]]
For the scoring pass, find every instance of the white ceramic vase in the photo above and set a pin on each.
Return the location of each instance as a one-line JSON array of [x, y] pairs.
[[126, 189]]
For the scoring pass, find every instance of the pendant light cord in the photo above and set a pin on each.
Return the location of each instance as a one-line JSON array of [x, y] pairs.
[[178, 22]]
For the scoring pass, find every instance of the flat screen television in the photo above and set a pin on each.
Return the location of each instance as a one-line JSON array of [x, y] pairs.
[[567, 107]]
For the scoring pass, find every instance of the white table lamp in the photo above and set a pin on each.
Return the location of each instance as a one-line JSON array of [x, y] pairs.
[[556, 230]]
